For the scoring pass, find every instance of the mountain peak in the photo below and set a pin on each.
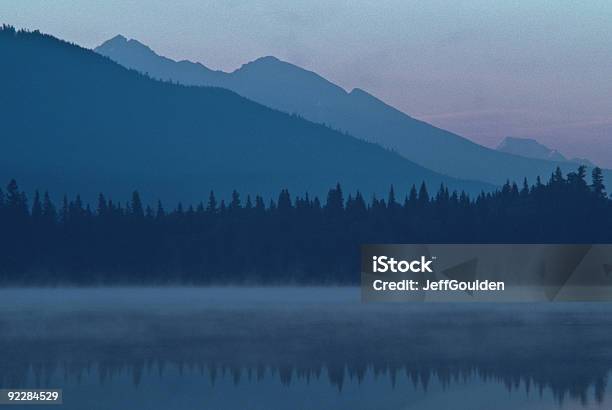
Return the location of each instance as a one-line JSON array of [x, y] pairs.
[[361, 93], [267, 59], [272, 70], [120, 42], [264, 63], [118, 39]]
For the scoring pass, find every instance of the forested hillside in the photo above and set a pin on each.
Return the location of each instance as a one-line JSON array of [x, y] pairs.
[[73, 122]]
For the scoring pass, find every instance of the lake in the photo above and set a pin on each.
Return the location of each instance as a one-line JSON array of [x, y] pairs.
[[301, 348]]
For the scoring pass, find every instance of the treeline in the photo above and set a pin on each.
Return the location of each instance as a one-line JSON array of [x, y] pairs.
[[289, 240]]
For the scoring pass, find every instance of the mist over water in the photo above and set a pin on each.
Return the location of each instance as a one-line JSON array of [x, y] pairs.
[[237, 348]]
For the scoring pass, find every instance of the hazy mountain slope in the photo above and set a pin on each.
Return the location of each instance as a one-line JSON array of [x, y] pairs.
[[74, 121], [291, 89], [530, 148]]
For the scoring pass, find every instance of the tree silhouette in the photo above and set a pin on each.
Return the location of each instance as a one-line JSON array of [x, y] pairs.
[[598, 187], [293, 240]]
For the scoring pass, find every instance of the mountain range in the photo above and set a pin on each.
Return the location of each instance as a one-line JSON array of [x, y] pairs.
[[291, 89], [73, 121]]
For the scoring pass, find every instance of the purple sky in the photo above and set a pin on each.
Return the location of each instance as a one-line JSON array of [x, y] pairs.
[[483, 69]]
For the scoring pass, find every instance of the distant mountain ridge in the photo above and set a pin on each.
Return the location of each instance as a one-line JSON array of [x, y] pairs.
[[530, 148], [291, 89], [74, 121]]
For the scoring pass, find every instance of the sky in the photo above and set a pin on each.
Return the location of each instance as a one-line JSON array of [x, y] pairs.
[[484, 69]]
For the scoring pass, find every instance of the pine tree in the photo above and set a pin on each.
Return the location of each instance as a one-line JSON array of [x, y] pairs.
[[556, 179], [259, 204], [597, 186], [525, 189], [16, 202], [160, 213], [360, 205], [49, 211], [423, 195], [284, 201], [412, 197], [335, 201], [37, 210], [391, 203], [235, 203], [211, 207], [102, 205], [65, 213], [136, 206]]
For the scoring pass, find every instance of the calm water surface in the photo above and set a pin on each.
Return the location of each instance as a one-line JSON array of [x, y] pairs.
[[301, 348]]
